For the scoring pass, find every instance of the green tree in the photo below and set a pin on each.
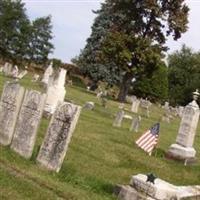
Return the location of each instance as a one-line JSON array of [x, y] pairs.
[[14, 30], [154, 86], [184, 73], [144, 25], [21, 39], [40, 45]]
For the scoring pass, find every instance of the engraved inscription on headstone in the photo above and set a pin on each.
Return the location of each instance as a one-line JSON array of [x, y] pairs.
[[27, 123], [188, 127], [55, 144], [9, 108]]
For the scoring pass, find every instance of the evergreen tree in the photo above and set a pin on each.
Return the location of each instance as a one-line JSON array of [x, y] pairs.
[[21, 39], [184, 73], [144, 24]]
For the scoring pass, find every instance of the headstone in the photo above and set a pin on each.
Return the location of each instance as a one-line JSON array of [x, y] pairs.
[[55, 93], [56, 141], [135, 124], [180, 111], [89, 105], [48, 72], [27, 123], [7, 69], [15, 71], [145, 104], [140, 188], [166, 116], [118, 120], [35, 77], [9, 108], [183, 148], [22, 74], [135, 104], [1, 69]]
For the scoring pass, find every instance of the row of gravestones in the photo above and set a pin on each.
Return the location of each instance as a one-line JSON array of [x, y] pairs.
[[13, 71], [20, 114]]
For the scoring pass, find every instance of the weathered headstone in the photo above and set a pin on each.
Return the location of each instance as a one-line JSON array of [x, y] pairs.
[[135, 124], [166, 115], [55, 92], [22, 74], [7, 69], [145, 104], [15, 71], [118, 119], [135, 104], [35, 77], [141, 189], [48, 72], [55, 144], [183, 148], [9, 108], [27, 123], [89, 105]]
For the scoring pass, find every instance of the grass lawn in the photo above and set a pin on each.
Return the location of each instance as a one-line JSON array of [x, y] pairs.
[[99, 156]]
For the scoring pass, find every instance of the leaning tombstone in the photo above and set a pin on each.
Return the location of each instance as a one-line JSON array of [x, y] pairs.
[[9, 108], [57, 139], [27, 123], [135, 124], [15, 71], [22, 74], [118, 119], [183, 148]]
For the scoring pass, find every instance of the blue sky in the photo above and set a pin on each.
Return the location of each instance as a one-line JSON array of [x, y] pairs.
[[72, 21]]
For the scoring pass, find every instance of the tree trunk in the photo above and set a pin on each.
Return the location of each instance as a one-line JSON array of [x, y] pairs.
[[124, 87]]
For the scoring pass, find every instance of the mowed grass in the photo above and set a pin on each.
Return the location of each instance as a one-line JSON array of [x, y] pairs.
[[98, 158]]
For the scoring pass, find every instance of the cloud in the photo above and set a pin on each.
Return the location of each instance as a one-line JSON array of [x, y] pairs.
[[72, 21]]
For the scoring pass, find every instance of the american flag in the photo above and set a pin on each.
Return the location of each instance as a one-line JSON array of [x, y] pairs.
[[149, 139]]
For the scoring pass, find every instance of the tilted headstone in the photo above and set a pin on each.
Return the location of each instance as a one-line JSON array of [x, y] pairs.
[[27, 123], [141, 189], [135, 124], [22, 74], [56, 141], [56, 92], [48, 72], [119, 118], [9, 108], [135, 104], [183, 148]]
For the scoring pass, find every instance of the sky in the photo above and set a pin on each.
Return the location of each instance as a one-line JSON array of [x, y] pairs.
[[72, 21]]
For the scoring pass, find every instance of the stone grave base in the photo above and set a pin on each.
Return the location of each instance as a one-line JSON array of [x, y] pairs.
[[178, 152], [139, 189]]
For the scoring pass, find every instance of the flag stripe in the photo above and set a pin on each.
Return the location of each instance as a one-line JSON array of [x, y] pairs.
[[149, 139]]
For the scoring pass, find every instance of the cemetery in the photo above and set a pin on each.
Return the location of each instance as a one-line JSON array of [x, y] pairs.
[[119, 121]]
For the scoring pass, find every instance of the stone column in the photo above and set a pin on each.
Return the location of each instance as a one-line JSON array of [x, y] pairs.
[[27, 123], [56, 141], [183, 148], [9, 108]]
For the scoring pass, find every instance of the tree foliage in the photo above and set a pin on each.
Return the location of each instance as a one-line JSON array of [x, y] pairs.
[[128, 35], [184, 73], [21, 39]]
